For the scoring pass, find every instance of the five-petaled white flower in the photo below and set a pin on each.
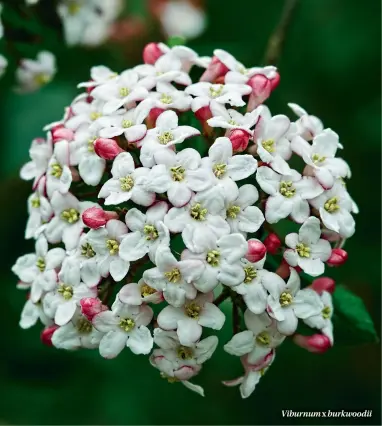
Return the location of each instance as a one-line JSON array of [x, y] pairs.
[[288, 194], [307, 126], [189, 319], [98, 75], [138, 294], [167, 97], [59, 175], [31, 313], [231, 119], [124, 325], [323, 320], [175, 278], [40, 212], [126, 183], [148, 232], [306, 249]]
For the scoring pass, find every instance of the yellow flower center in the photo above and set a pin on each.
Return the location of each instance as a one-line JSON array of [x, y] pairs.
[[112, 246], [168, 378], [42, 78], [197, 212], [326, 312], [126, 124], [35, 203], [213, 258], [216, 91], [219, 170], [146, 290], [174, 276], [269, 145], [95, 115], [40, 263], [317, 158], [151, 232], [165, 138], [73, 8], [70, 215], [233, 211], [184, 352], [84, 326], [250, 274], [127, 324], [232, 122], [331, 206], [56, 170], [263, 339], [285, 299], [66, 291], [124, 91], [303, 250], [193, 310], [127, 183], [87, 251], [177, 173], [287, 189], [166, 99]]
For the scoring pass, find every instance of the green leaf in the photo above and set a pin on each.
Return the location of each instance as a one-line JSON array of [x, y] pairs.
[[352, 323], [176, 41]]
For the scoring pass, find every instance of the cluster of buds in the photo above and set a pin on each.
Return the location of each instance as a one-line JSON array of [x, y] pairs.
[[127, 214]]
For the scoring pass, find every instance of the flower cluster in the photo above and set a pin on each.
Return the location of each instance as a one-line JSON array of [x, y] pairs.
[[139, 236]]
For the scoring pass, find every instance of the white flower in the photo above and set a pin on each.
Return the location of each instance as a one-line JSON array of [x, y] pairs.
[[178, 362], [173, 277], [189, 320], [287, 303], [221, 259], [124, 325], [40, 212], [126, 183], [334, 206], [122, 90], [205, 93], [106, 243], [99, 75], [148, 232], [31, 313], [320, 156], [33, 74], [3, 65], [59, 175], [178, 175], [78, 333], [182, 18], [40, 153], [288, 194], [231, 119], [187, 56], [258, 341], [323, 320], [168, 68], [166, 134], [130, 123], [39, 268], [167, 97], [272, 145], [66, 225], [307, 250], [228, 167], [83, 112], [251, 285], [63, 302], [199, 220], [138, 294], [307, 126], [242, 215]]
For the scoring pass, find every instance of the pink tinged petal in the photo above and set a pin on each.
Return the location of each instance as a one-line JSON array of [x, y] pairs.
[[157, 212], [195, 388], [133, 247], [310, 231], [300, 210], [174, 295], [240, 344], [241, 166], [250, 219], [258, 354], [277, 207], [65, 312], [231, 274], [112, 344], [291, 257], [232, 247], [307, 303], [250, 381], [313, 267], [130, 294], [142, 197], [144, 316], [140, 340], [169, 316], [105, 321], [211, 317], [119, 269], [325, 177], [189, 331], [234, 382]]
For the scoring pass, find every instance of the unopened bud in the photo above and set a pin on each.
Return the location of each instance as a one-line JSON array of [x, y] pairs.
[[338, 257], [214, 70], [60, 133], [317, 343], [47, 334], [256, 250], [91, 306], [95, 217], [203, 113], [272, 243], [323, 284], [151, 53], [239, 139], [107, 149], [153, 116], [261, 90]]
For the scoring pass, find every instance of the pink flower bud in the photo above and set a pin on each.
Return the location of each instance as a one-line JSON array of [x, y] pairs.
[[256, 250], [214, 70], [338, 257], [60, 133], [91, 306], [317, 343], [47, 334], [95, 217], [275, 81], [153, 116], [323, 284], [239, 139], [272, 243], [261, 90], [204, 113], [107, 149], [151, 53]]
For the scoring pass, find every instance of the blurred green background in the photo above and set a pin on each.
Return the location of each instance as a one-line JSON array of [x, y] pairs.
[[331, 66]]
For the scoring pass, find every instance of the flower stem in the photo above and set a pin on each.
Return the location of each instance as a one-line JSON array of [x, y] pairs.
[[235, 319], [224, 295]]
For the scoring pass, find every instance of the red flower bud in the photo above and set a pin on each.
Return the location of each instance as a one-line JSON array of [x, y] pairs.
[[256, 250], [204, 113], [272, 243], [153, 116], [91, 306], [47, 334], [214, 70], [239, 139], [261, 90], [151, 53], [338, 257], [107, 149], [275, 81], [60, 133], [317, 343], [95, 217], [323, 284]]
